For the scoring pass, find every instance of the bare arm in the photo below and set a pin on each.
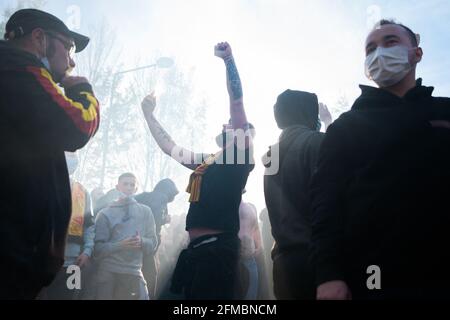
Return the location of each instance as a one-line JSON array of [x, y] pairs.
[[234, 86], [186, 157], [256, 231], [249, 219], [258, 240]]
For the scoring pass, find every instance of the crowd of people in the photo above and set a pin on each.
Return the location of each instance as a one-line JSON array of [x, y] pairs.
[[355, 210]]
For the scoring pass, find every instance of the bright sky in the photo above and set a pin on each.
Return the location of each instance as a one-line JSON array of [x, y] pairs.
[[278, 44]]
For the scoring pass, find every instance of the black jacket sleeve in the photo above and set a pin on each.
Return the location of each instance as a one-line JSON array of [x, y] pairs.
[[311, 154], [327, 186], [47, 115]]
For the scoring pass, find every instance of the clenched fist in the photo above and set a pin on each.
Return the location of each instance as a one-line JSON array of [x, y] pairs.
[[223, 50], [149, 104]]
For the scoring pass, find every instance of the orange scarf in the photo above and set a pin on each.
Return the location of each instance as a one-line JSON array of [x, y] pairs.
[[195, 180], [78, 208]]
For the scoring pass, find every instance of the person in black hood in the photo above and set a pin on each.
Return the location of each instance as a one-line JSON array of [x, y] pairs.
[[287, 191], [380, 205], [38, 122], [163, 193]]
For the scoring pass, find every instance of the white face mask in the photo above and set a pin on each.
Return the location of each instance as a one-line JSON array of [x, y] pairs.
[[46, 63], [388, 66]]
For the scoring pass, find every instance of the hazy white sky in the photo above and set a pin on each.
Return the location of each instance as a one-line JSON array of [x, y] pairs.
[[278, 44]]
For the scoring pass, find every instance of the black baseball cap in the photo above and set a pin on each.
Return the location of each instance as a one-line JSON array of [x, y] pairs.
[[24, 21]]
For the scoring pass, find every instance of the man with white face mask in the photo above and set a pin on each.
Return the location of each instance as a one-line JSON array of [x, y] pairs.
[[125, 235], [380, 195], [39, 121], [391, 57]]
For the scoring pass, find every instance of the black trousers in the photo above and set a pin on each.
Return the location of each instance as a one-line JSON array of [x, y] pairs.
[[293, 276], [209, 269], [58, 289], [18, 283]]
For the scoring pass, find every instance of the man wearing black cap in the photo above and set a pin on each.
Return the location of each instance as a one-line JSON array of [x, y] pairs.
[[38, 123], [287, 191]]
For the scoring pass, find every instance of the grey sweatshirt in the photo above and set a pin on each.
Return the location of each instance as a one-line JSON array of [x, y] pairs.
[[121, 220]]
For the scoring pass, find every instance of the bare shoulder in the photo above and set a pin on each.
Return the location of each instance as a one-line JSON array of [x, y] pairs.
[[194, 160], [248, 210]]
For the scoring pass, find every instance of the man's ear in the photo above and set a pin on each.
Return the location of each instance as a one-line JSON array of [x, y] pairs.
[[39, 40], [418, 54]]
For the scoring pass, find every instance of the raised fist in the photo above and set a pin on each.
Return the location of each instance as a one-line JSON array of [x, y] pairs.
[[222, 50], [149, 104]]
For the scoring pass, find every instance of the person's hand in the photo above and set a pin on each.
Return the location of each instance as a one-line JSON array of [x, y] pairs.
[[82, 260], [69, 81], [333, 290], [149, 104], [134, 242], [324, 114], [138, 240], [222, 50]]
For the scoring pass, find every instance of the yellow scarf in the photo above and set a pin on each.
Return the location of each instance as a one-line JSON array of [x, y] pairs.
[[195, 180], [78, 208]]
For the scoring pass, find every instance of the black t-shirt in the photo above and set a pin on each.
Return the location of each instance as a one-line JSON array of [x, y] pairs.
[[221, 192]]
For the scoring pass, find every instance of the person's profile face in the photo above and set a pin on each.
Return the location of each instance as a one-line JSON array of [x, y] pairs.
[[127, 185], [60, 54]]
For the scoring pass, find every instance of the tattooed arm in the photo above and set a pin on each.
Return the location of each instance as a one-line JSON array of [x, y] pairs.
[[186, 157], [237, 112]]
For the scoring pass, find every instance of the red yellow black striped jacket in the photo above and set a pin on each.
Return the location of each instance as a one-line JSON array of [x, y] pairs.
[[38, 122]]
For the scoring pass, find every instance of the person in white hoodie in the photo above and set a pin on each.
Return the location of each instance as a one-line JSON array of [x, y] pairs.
[[125, 235]]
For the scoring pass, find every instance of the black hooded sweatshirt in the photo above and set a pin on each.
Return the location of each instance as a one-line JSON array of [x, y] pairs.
[[38, 122], [380, 195], [287, 192], [157, 200]]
